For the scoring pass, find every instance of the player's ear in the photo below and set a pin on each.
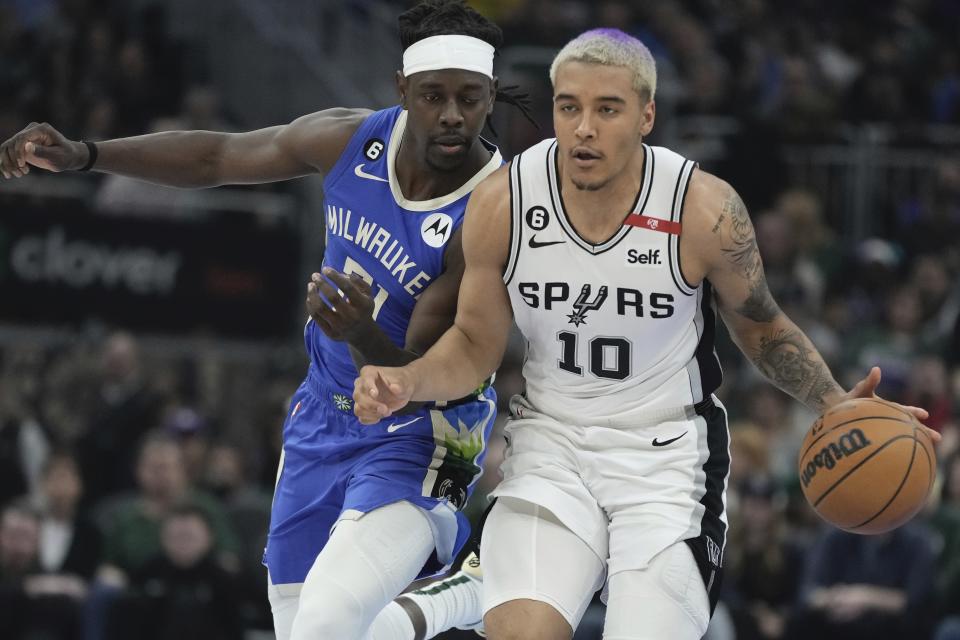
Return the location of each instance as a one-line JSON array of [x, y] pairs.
[[494, 87], [649, 110], [402, 88]]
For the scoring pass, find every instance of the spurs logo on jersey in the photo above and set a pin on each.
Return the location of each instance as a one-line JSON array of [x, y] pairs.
[[628, 332], [581, 306]]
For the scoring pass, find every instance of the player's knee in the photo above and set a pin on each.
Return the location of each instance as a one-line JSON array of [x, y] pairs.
[[337, 614], [526, 620]]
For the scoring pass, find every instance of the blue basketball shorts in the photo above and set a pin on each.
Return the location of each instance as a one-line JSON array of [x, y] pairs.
[[335, 468]]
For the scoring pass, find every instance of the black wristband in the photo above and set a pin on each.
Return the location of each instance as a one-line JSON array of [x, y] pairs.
[[91, 158]]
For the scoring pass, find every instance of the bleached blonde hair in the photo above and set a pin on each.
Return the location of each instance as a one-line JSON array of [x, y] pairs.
[[614, 48]]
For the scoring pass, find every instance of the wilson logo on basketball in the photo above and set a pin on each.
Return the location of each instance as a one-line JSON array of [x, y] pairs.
[[847, 445]]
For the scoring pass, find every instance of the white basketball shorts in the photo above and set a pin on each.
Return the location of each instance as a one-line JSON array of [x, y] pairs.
[[629, 491]]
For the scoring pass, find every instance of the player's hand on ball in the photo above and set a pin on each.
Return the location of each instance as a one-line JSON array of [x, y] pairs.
[[40, 145], [867, 388], [379, 392], [343, 310]]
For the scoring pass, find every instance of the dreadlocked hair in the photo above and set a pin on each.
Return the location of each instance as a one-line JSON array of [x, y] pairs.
[[454, 17], [446, 18]]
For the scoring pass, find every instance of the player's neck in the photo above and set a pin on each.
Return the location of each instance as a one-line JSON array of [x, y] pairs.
[[419, 181], [597, 214]]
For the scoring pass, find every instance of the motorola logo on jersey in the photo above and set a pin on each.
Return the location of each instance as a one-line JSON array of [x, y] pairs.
[[372, 148], [436, 229], [621, 300]]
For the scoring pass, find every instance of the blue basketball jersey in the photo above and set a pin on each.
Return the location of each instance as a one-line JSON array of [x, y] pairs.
[[395, 244]]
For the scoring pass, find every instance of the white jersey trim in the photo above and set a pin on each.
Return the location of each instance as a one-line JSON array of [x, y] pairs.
[[676, 215], [516, 221], [393, 148]]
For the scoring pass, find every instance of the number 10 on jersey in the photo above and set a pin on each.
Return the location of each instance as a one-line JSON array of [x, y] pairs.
[[608, 357]]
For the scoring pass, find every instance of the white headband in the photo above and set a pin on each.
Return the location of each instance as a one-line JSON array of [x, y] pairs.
[[449, 52]]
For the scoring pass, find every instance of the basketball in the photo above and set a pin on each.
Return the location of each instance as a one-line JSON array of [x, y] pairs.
[[866, 466]]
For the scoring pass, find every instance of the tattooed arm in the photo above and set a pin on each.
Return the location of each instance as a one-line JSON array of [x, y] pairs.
[[719, 244]]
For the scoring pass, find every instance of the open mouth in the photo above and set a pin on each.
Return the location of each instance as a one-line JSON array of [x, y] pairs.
[[584, 156]]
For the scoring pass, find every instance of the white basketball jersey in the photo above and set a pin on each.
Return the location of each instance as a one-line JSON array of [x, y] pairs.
[[612, 329]]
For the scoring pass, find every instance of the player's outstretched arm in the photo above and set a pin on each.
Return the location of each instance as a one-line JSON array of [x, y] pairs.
[[471, 350], [717, 227], [192, 159]]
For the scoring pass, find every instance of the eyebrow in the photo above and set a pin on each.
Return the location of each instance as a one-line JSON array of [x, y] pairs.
[[567, 96]]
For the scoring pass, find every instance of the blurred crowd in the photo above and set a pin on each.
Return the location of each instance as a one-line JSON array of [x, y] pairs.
[[98, 69], [805, 66], [135, 479]]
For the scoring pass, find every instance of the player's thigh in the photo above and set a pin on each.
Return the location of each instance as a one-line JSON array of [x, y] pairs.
[[284, 603], [539, 576], [667, 600]]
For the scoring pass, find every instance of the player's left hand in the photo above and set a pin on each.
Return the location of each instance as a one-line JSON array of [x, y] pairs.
[[379, 392], [867, 388], [349, 313]]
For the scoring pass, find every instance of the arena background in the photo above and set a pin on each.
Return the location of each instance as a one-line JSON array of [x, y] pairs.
[[130, 311]]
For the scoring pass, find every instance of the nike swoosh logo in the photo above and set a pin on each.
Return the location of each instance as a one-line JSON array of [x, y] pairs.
[[395, 426], [360, 173], [533, 244], [658, 443]]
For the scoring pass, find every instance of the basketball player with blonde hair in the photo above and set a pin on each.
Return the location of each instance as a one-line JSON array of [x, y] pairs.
[[612, 256]]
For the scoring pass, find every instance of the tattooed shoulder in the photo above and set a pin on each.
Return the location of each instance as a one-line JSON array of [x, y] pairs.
[[738, 241], [720, 220]]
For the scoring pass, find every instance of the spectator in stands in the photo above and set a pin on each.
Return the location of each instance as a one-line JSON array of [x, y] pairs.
[[124, 408], [763, 563], [939, 294], [769, 409], [819, 255], [928, 384], [33, 606], [133, 526], [23, 448], [190, 429], [749, 452], [867, 587], [182, 593], [891, 344], [930, 221], [946, 521], [794, 283], [70, 544], [19, 541], [248, 508]]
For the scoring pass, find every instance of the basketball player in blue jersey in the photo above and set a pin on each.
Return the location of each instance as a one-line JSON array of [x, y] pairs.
[[359, 512], [611, 256]]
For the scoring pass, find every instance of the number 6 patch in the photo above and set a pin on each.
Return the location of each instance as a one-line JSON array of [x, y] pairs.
[[372, 148]]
